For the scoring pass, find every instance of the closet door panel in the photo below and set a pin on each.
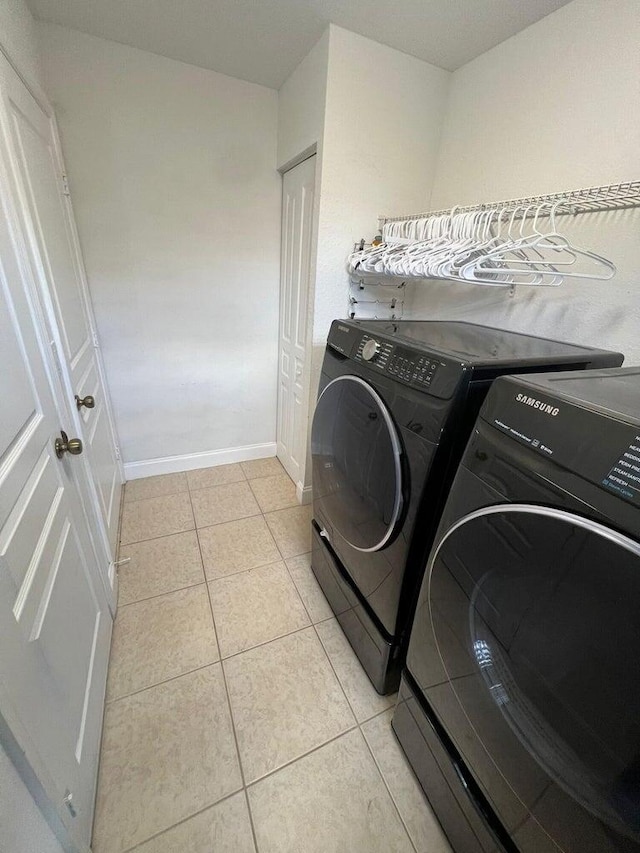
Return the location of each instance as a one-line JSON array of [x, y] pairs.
[[33, 154], [55, 624]]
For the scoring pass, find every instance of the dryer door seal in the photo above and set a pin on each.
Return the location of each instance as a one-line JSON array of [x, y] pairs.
[[357, 470]]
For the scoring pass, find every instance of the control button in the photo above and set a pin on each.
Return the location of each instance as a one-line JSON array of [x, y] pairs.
[[370, 350]]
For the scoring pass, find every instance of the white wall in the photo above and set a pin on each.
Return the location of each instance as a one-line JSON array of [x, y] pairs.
[[555, 107], [375, 115], [382, 127], [301, 104], [301, 117], [19, 41], [173, 177]]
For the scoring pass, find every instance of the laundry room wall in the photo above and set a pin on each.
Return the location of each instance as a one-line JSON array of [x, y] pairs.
[[382, 127], [375, 115], [302, 103], [172, 171], [556, 107], [19, 41]]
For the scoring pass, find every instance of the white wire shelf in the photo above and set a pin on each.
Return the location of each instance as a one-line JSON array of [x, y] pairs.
[[588, 200]]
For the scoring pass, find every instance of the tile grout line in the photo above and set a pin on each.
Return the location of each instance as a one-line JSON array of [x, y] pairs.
[[220, 658], [301, 756], [235, 738], [243, 479], [377, 714], [211, 663], [206, 526], [314, 626], [246, 788], [160, 594], [182, 820], [188, 491], [333, 669], [231, 717], [388, 789], [351, 728], [265, 643], [160, 683], [189, 488], [171, 494], [164, 535], [229, 707], [349, 705], [246, 785], [276, 509], [250, 813], [242, 571], [233, 520], [359, 724], [239, 571], [284, 562]]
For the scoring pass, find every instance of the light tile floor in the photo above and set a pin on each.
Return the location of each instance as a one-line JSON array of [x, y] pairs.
[[238, 718]]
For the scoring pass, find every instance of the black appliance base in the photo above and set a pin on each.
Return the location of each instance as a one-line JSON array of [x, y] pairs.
[[379, 657], [443, 778]]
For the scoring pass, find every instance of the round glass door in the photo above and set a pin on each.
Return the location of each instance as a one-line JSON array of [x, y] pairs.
[[546, 605], [356, 463]]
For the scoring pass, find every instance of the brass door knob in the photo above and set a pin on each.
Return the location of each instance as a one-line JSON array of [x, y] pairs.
[[64, 444], [88, 402]]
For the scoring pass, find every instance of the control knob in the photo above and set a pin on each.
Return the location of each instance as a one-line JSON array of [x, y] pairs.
[[370, 350]]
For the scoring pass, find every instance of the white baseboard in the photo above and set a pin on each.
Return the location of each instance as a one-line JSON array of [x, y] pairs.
[[191, 461], [303, 493]]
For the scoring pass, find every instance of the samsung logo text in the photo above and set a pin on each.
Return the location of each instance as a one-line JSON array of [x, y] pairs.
[[538, 404]]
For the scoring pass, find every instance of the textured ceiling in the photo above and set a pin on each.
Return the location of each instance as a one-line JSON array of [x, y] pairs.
[[264, 40]]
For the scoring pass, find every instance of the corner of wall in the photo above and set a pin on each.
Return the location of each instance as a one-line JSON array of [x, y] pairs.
[[301, 105], [19, 43], [439, 143]]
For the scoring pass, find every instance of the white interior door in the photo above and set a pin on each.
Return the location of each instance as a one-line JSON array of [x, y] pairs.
[[298, 185], [55, 624], [32, 149]]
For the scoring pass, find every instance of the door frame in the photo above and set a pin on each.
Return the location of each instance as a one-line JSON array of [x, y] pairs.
[[51, 339], [89, 483], [303, 486]]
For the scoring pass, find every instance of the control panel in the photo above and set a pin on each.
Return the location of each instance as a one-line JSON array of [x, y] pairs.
[[412, 367], [408, 365], [376, 352], [598, 447]]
